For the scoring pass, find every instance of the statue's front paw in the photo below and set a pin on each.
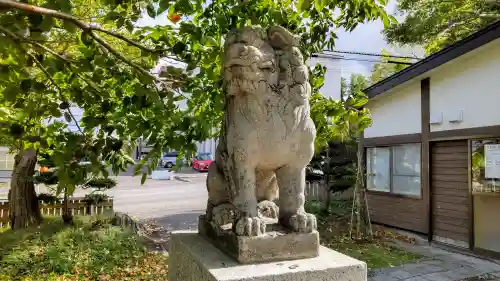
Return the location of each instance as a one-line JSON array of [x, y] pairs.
[[250, 226], [301, 222], [223, 214], [268, 209]]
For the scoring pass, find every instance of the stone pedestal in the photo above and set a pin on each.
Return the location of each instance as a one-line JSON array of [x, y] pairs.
[[193, 258], [278, 244]]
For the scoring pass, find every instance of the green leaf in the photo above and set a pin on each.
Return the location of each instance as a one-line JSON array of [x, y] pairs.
[[35, 19], [360, 102], [386, 21], [209, 41], [164, 5], [304, 5], [54, 110], [25, 85], [393, 19], [144, 177], [130, 25], [69, 26], [10, 93], [64, 6], [67, 117], [47, 23], [85, 38], [112, 16], [179, 47], [319, 5], [151, 11]]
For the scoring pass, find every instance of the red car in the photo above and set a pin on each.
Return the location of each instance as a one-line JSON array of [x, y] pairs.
[[202, 161]]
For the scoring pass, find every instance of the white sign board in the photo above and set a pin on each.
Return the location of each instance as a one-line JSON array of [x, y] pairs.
[[162, 175], [492, 161]]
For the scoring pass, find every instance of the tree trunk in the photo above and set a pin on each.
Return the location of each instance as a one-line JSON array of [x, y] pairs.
[[360, 215], [359, 191], [24, 207], [326, 206], [67, 216], [328, 200]]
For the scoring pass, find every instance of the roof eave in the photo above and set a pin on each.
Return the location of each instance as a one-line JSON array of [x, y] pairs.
[[472, 42]]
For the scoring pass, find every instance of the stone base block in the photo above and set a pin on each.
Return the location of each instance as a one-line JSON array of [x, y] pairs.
[[194, 258], [278, 244]]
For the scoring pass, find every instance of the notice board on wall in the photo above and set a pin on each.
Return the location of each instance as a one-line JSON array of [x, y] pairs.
[[492, 161]]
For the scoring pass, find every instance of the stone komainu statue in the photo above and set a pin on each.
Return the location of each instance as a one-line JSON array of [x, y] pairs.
[[267, 137]]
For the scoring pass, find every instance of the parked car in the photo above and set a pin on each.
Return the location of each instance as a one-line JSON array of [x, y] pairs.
[[202, 161], [169, 159]]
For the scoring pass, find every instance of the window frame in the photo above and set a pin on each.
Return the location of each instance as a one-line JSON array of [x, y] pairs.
[[391, 191], [390, 169], [5, 159]]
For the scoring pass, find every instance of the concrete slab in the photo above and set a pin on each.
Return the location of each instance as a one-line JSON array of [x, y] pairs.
[[193, 258], [438, 276], [443, 266]]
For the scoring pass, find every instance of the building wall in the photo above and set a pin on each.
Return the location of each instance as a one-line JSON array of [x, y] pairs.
[[486, 233], [396, 113], [469, 84], [463, 94], [400, 212], [6, 164]]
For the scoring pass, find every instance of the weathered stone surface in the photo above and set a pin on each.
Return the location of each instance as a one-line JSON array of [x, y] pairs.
[[267, 137], [193, 258], [278, 244]]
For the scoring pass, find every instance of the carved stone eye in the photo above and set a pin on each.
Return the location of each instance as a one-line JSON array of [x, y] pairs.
[[267, 66]]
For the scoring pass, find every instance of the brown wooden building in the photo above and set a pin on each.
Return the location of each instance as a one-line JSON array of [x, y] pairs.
[[433, 150]]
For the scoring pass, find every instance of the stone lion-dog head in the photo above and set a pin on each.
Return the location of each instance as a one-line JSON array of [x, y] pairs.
[[257, 60]]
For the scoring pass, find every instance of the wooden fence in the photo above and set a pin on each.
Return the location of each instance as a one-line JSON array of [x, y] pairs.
[[316, 191], [78, 207]]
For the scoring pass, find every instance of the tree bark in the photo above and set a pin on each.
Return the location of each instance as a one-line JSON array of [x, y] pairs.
[[326, 207], [23, 202], [67, 216], [359, 190]]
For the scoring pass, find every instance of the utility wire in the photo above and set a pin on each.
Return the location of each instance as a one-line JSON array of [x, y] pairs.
[[358, 59], [372, 54]]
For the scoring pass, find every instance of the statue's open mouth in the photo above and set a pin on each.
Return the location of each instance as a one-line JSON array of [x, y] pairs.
[[265, 65], [237, 62]]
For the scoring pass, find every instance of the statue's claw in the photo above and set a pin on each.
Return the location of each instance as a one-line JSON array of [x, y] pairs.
[[250, 226]]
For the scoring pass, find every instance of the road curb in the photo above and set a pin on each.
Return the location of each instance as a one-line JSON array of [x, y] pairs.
[[184, 179], [125, 221]]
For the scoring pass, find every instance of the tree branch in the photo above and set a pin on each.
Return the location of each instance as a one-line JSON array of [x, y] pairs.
[[8, 4], [117, 54], [86, 27], [129, 41], [17, 41], [68, 62]]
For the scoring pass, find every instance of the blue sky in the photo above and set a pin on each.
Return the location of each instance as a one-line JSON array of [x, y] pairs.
[[365, 38]]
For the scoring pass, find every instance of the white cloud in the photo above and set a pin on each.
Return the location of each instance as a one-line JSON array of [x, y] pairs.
[[368, 38]]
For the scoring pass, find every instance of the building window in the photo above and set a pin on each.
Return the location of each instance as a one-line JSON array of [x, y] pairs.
[[379, 169], [394, 169], [485, 165], [6, 160]]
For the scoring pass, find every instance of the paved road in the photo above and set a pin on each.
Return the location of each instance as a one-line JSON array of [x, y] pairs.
[[158, 198], [173, 204]]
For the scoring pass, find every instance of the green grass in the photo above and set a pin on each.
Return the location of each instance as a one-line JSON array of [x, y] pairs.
[[334, 233], [92, 249]]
